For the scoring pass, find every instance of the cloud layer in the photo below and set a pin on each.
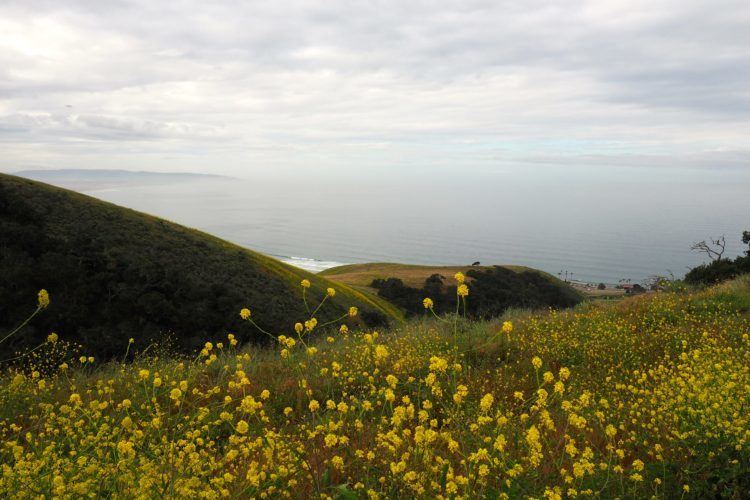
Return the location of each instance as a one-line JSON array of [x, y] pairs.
[[339, 86]]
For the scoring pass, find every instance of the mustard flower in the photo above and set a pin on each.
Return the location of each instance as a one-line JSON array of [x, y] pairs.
[[241, 427], [381, 353], [245, 313], [427, 303], [438, 364], [486, 402], [537, 362], [331, 440], [43, 298]]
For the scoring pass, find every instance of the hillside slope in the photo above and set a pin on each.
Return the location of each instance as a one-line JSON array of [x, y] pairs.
[[114, 273], [493, 288], [361, 275]]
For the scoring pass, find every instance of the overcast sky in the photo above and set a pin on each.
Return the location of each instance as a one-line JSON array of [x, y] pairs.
[[382, 87]]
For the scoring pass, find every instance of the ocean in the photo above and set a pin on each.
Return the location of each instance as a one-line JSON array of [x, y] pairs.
[[601, 225]]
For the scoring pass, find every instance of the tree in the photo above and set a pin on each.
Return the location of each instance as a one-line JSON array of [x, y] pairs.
[[714, 249], [719, 269]]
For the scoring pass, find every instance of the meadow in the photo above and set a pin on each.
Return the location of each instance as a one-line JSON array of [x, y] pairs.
[[643, 397]]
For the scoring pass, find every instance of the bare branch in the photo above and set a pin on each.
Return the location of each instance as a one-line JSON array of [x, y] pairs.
[[713, 248]]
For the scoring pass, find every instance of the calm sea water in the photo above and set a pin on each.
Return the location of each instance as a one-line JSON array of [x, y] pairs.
[[627, 225]]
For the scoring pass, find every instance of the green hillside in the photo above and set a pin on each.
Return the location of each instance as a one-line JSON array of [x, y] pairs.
[[494, 289], [361, 275], [114, 273]]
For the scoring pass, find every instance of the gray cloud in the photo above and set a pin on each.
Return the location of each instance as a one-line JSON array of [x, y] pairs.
[[237, 86]]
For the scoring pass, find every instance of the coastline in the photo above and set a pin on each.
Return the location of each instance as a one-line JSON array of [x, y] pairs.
[[308, 264]]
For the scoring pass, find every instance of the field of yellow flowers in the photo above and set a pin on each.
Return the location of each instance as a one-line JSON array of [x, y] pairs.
[[644, 397]]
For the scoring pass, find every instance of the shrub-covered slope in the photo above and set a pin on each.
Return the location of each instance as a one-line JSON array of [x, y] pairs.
[[494, 289], [114, 273]]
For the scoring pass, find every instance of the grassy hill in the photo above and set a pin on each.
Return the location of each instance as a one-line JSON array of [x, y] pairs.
[[114, 273], [414, 275], [494, 288], [646, 397]]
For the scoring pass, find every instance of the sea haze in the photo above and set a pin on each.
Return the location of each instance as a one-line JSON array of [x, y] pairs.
[[628, 225]]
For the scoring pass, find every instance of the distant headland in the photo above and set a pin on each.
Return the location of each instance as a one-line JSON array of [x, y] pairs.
[[93, 179]]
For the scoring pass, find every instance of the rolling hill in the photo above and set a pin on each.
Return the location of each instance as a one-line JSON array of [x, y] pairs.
[[361, 275], [114, 273], [493, 289]]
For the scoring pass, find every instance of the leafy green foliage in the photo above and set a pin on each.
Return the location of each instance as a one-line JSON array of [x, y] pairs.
[[717, 271], [492, 292], [721, 269], [114, 273]]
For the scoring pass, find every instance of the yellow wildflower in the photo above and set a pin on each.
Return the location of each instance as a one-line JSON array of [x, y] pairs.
[[241, 427], [486, 402], [43, 298], [537, 362]]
